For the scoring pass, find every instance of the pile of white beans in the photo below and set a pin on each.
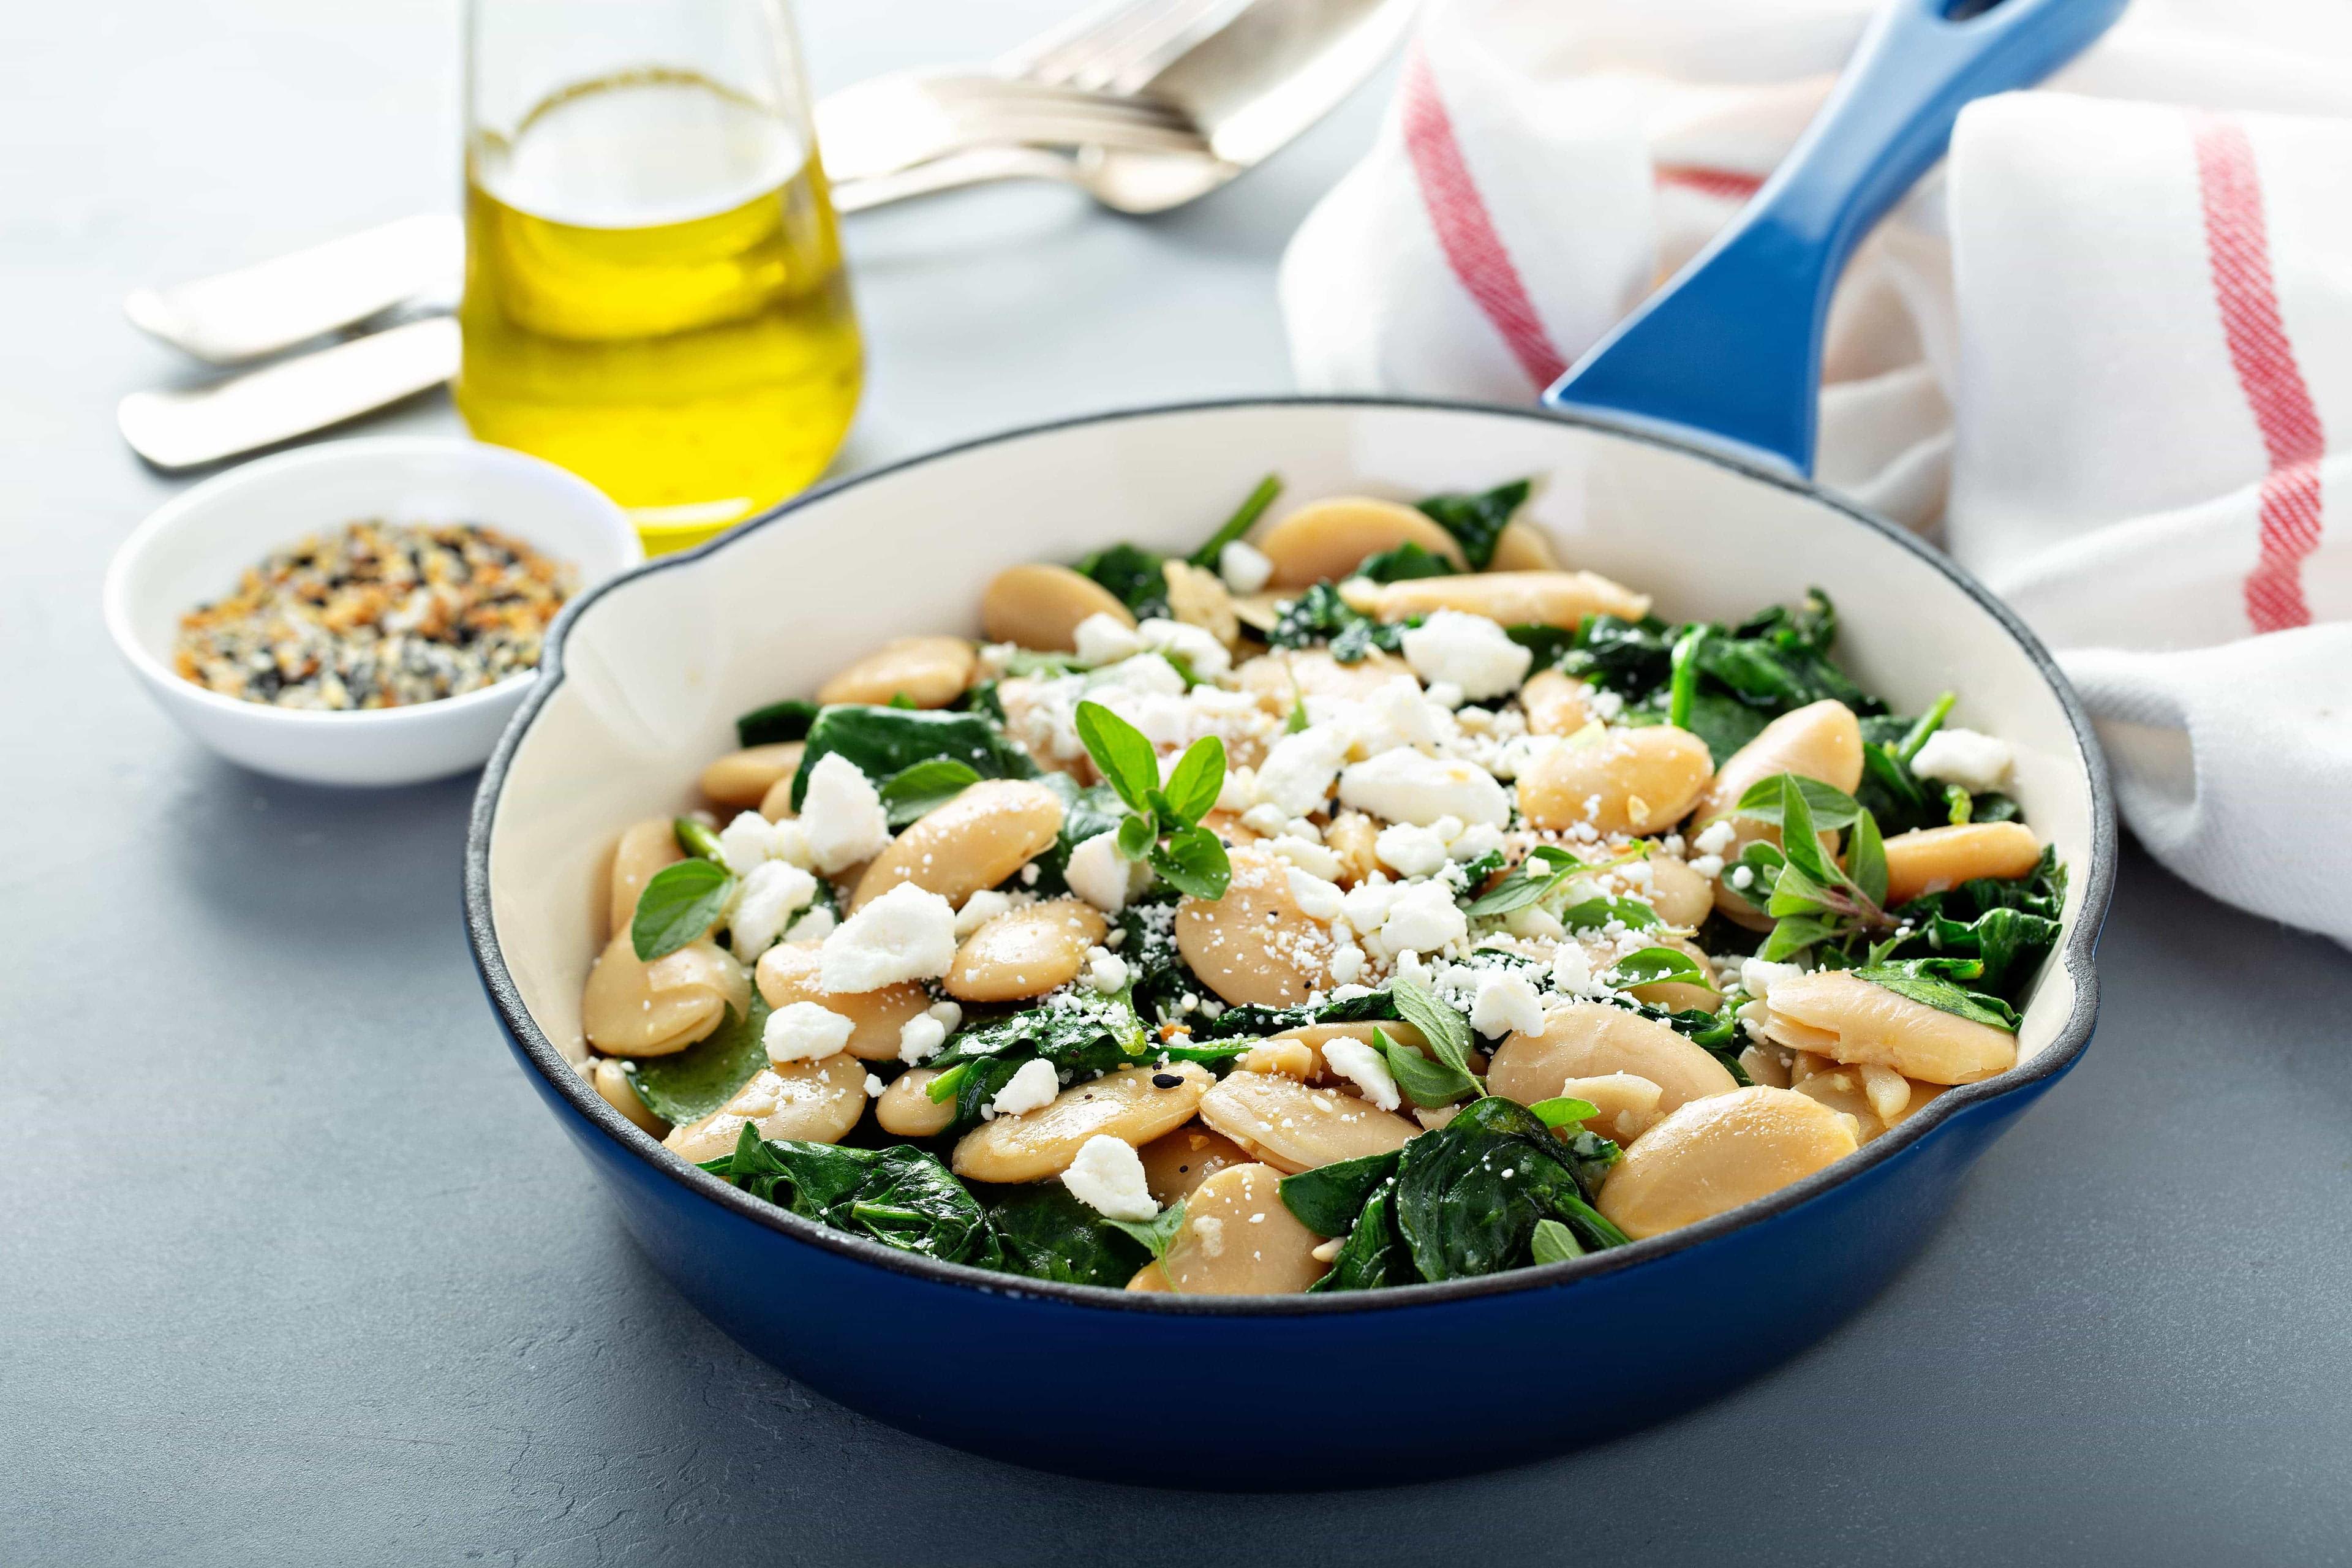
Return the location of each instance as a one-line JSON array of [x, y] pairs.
[[1833, 1060]]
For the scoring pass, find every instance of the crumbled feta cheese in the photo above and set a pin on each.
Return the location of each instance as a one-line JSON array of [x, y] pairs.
[[1505, 1003], [842, 815], [1097, 873], [1031, 1089], [874, 1086], [1571, 970], [1743, 877], [1307, 854], [1534, 920], [1297, 774], [812, 928], [1244, 567], [1238, 792], [1405, 786], [1317, 898], [908, 934], [1715, 838], [1975, 763], [1106, 970], [746, 843], [920, 1039], [1209, 1231], [979, 910], [1423, 919], [1265, 817], [1410, 851], [950, 1015], [1200, 650], [1302, 827], [1365, 1067], [1474, 842], [1414, 721], [1106, 1175], [1467, 651], [765, 905], [1346, 963], [1756, 975], [1103, 638], [1365, 904], [805, 1032], [1708, 866], [1030, 873], [1147, 673]]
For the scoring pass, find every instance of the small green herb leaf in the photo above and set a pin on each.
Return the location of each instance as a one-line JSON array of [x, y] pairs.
[[1530, 881], [913, 792], [1193, 861], [1426, 1083], [1554, 1243], [1447, 1031], [1158, 1231], [1632, 913], [1794, 933], [1654, 966], [1199, 774], [679, 904], [1827, 806], [1865, 858], [1126, 759], [1563, 1111], [1135, 836]]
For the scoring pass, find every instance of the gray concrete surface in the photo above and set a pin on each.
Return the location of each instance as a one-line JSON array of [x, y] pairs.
[[292, 1269]]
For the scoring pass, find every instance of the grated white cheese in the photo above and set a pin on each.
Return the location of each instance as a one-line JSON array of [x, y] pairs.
[[805, 1032], [1106, 1175]]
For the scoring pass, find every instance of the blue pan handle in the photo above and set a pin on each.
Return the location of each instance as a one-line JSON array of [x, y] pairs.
[[1730, 351]]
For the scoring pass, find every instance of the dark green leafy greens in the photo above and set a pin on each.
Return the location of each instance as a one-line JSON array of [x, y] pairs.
[[1443, 1075], [1321, 615], [1047, 1234], [1476, 521], [910, 793], [886, 742], [1327, 1198], [778, 722], [1134, 577], [899, 1196], [1404, 562], [688, 1085]]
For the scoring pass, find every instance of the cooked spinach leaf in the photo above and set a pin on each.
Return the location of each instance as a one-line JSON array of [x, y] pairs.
[[1259, 1021], [1469, 1193], [1134, 577], [1327, 1198], [899, 1196], [1476, 521], [1321, 615], [886, 742], [688, 1085], [1158, 977], [1553, 1243], [1404, 562], [778, 722], [1374, 1256], [1043, 1232]]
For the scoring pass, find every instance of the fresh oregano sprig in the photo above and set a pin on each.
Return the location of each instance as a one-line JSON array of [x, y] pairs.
[[683, 899], [1443, 1075], [1165, 827]]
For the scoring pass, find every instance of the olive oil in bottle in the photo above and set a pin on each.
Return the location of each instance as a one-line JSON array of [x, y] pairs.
[[655, 300]]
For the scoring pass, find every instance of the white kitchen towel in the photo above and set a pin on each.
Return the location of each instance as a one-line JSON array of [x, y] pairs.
[[2104, 354]]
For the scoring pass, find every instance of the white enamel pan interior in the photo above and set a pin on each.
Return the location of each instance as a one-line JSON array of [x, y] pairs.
[[648, 674]]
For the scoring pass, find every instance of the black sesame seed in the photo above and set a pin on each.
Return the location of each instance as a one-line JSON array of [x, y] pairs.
[[1165, 1080]]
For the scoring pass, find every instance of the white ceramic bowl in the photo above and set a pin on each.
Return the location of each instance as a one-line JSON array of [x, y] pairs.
[[192, 549]]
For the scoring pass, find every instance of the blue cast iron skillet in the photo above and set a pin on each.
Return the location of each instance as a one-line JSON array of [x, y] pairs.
[[1427, 1380]]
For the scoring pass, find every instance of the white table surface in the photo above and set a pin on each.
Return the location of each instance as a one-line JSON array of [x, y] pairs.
[[292, 1267]]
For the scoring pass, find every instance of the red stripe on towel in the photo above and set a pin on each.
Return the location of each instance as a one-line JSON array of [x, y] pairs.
[[1465, 231], [1727, 185], [2237, 243]]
